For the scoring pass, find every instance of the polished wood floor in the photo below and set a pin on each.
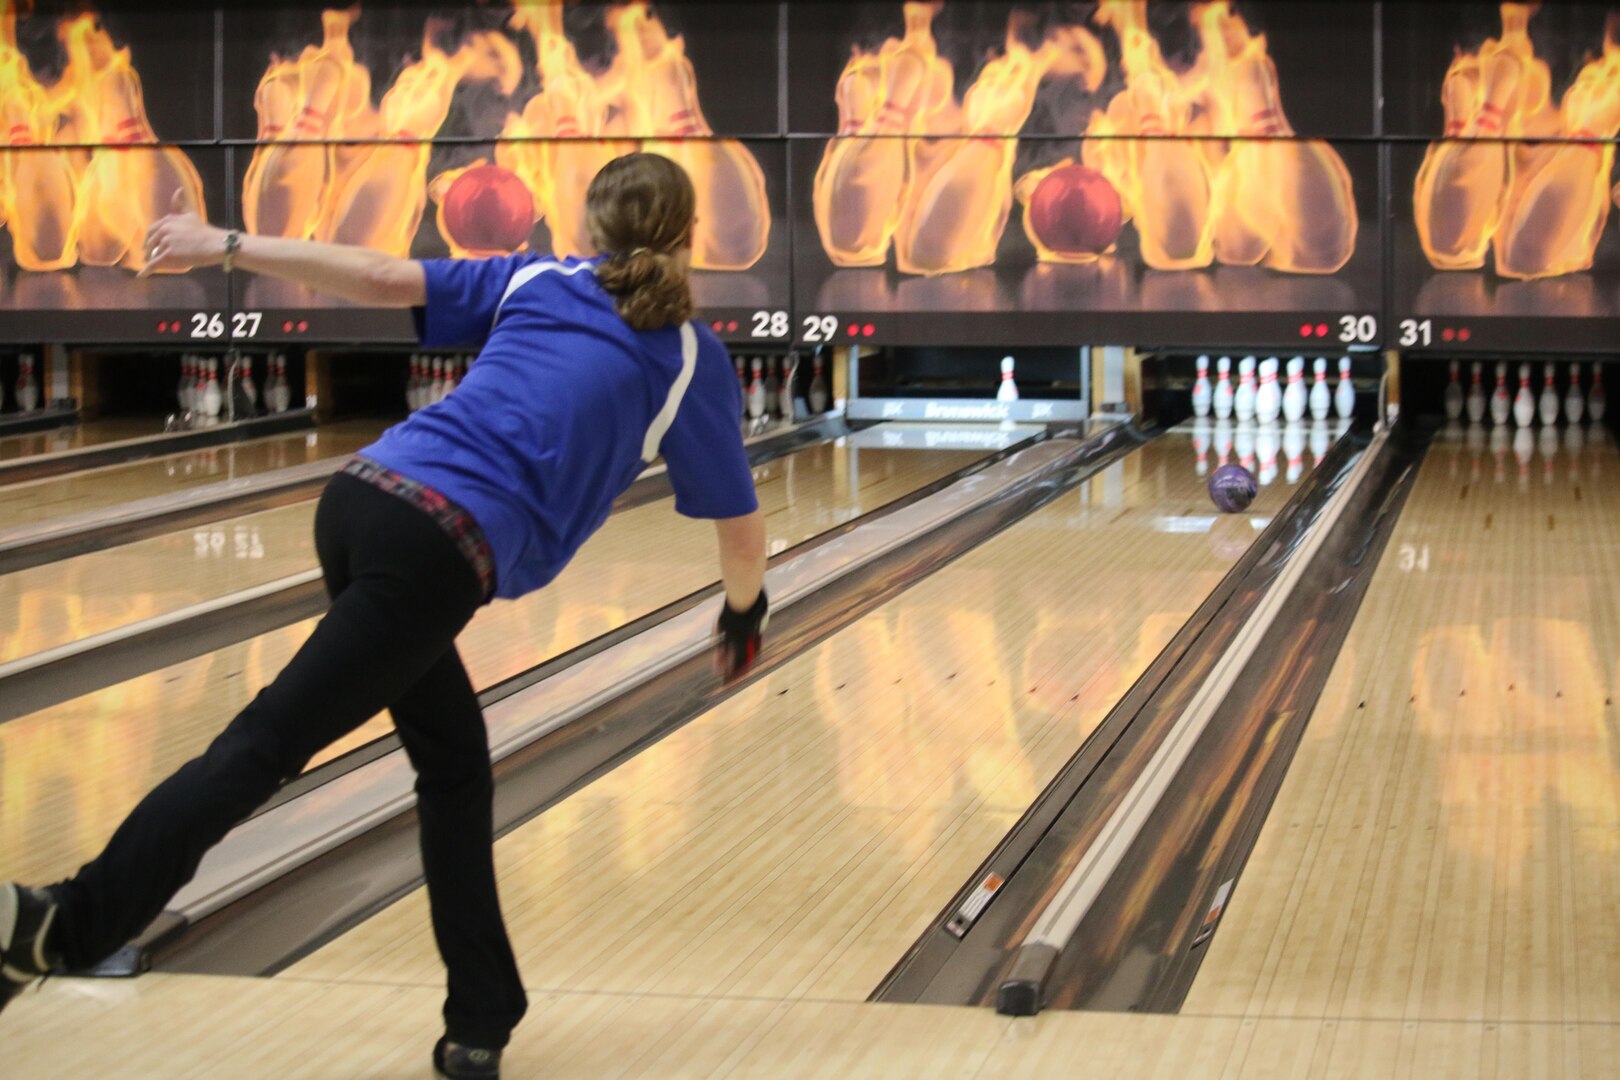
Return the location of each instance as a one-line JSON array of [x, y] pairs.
[[198, 1027], [68, 774], [1445, 852], [94, 489], [792, 843], [78, 436]]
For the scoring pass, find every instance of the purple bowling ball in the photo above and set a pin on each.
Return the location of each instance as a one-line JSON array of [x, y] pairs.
[[1232, 489]]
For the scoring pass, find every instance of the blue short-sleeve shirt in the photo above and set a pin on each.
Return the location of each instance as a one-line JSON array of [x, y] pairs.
[[562, 410]]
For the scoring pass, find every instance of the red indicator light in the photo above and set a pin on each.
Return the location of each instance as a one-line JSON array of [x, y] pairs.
[[868, 330], [1305, 331], [854, 331], [303, 324], [1321, 329], [731, 327], [717, 326], [163, 327], [1464, 334], [1447, 334], [287, 326]]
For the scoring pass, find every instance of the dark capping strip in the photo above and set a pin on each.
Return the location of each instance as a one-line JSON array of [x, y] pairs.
[[120, 453], [293, 915], [46, 419], [151, 650], [115, 532], [1142, 956], [360, 755], [112, 663], [944, 968]]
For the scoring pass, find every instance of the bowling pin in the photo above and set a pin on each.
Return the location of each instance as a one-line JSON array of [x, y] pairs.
[[818, 388], [1200, 441], [1009, 389], [1268, 399], [27, 388], [1524, 402], [1223, 389], [1265, 445], [211, 398], [772, 386], [436, 394], [1293, 398], [1321, 396], [1243, 400], [1202, 393], [1548, 405], [1344, 395], [789, 368], [742, 382], [450, 380], [1476, 396], [248, 388], [279, 395], [1454, 395], [1294, 450], [756, 390], [1501, 403], [1574, 400], [414, 383], [1597, 401]]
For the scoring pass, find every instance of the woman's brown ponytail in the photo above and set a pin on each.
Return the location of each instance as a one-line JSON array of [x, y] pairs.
[[639, 211]]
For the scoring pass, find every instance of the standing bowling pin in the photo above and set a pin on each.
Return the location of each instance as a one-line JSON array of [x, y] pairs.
[[1574, 400], [211, 399], [742, 383], [450, 380], [1524, 402], [1202, 392], [437, 393], [1501, 403], [789, 368], [1321, 396], [1454, 395], [772, 385], [1223, 388], [1268, 399], [1548, 405], [818, 387], [756, 390], [1476, 395], [413, 385], [27, 388], [1243, 400], [1009, 389], [1597, 402], [1344, 395], [1293, 398]]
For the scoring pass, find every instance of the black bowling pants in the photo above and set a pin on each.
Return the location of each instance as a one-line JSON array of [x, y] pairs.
[[401, 592]]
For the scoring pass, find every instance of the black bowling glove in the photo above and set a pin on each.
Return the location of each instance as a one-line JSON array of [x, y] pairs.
[[737, 638]]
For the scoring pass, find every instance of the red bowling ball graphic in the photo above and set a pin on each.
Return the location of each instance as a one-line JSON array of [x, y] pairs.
[[1074, 211], [488, 211]]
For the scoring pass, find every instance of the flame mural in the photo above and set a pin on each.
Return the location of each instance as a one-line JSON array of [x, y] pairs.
[[1539, 208], [939, 186], [304, 181], [82, 204]]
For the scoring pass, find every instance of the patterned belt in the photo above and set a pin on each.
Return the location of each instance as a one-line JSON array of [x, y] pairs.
[[456, 522]]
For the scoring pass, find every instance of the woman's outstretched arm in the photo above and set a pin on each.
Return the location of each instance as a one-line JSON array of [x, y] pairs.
[[183, 241]]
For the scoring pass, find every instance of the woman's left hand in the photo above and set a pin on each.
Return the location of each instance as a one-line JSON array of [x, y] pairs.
[[182, 241]]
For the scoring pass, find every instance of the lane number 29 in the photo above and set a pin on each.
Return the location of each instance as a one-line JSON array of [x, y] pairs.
[[818, 328]]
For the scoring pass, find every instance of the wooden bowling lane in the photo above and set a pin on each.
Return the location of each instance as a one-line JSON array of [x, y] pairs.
[[791, 843], [77, 436], [199, 1026], [68, 774], [1446, 846], [93, 489], [71, 599]]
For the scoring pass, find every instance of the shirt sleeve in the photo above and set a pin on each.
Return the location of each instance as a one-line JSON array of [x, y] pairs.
[[708, 466], [462, 298]]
